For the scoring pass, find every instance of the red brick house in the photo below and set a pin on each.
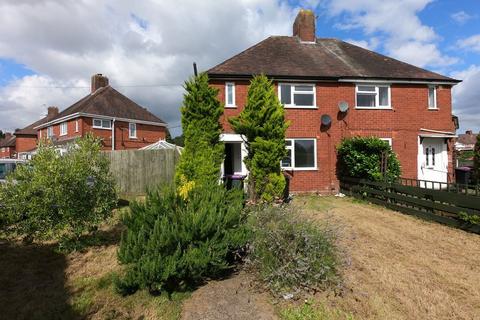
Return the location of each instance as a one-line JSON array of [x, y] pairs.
[[7, 147], [317, 78], [118, 121], [26, 138]]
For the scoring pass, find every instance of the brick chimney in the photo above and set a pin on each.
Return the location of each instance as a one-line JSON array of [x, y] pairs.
[[52, 111], [304, 26], [98, 81]]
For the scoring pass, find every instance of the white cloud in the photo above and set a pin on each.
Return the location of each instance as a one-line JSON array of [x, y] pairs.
[[406, 37], [134, 43], [471, 43], [370, 44], [466, 97], [461, 17]]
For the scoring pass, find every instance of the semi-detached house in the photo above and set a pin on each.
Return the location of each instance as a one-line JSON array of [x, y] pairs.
[[117, 120], [355, 91]]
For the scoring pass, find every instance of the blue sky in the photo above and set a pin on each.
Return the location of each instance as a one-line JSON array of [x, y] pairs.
[[50, 48]]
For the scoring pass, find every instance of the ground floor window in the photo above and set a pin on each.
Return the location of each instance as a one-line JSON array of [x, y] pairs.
[[301, 154]]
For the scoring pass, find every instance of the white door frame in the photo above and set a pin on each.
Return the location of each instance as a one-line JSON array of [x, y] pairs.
[[236, 138], [440, 172]]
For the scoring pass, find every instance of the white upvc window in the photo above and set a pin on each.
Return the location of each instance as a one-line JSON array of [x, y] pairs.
[[373, 96], [102, 124], [50, 132], [301, 154], [388, 140], [230, 95], [63, 128], [430, 154], [132, 130], [432, 97], [297, 95], [76, 125]]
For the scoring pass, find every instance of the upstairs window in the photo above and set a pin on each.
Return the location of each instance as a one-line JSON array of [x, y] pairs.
[[63, 128], [432, 97], [230, 94], [301, 154], [102, 124], [50, 132], [373, 96], [297, 95], [132, 130]]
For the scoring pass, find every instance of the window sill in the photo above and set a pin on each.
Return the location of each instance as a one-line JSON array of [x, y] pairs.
[[133, 138], [100, 128], [300, 107], [230, 107], [300, 169], [63, 135], [374, 108], [432, 109]]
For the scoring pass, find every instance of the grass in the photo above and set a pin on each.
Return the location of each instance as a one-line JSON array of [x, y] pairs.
[[41, 282], [311, 311], [397, 266]]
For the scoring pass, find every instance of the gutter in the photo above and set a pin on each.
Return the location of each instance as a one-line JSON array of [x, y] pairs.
[[113, 134], [96, 116]]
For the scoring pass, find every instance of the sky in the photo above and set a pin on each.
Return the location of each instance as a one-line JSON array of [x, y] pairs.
[[49, 49]]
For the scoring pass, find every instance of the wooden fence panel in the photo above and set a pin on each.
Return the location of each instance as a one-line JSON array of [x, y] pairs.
[[438, 205], [137, 170]]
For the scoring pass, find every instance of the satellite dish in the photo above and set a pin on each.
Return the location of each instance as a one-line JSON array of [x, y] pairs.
[[343, 106], [326, 120]]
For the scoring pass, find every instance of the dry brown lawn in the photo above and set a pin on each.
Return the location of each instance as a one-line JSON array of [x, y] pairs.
[[398, 266]]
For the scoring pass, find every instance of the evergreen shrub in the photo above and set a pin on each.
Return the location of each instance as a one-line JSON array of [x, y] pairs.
[[172, 242], [361, 157]]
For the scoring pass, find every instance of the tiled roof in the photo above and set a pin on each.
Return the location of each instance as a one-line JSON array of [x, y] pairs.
[[8, 142], [107, 101], [29, 130], [282, 56], [467, 138]]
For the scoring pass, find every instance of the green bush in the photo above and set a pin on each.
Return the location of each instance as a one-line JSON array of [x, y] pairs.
[[262, 122], [171, 243], [291, 255], [476, 160], [59, 197], [361, 157]]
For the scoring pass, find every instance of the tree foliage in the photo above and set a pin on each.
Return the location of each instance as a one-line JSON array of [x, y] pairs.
[[203, 152], [173, 242], [262, 122], [361, 157], [59, 197], [476, 160]]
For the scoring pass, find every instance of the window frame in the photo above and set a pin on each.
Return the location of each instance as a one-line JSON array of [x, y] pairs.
[[233, 104], [292, 161], [435, 105], [101, 127], [389, 140], [130, 124], [377, 95], [50, 132], [63, 128], [76, 125], [293, 92]]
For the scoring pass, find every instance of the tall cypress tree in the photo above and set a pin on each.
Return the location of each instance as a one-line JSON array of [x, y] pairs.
[[262, 122], [203, 152]]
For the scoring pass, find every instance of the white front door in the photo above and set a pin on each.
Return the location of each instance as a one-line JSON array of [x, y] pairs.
[[433, 160]]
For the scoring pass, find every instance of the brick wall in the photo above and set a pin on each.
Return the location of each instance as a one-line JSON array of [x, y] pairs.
[[146, 134], [25, 143], [409, 113], [7, 152]]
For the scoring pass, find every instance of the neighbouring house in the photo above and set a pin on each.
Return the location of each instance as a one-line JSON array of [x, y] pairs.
[[27, 138], [356, 92], [7, 146], [117, 120], [464, 146]]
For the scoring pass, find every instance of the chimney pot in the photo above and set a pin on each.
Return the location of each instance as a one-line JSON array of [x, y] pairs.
[[99, 81], [304, 26]]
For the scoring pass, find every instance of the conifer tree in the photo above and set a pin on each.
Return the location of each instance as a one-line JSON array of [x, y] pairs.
[[203, 152], [262, 122]]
